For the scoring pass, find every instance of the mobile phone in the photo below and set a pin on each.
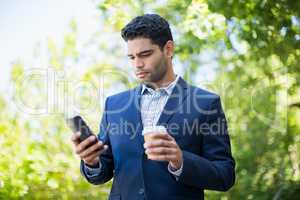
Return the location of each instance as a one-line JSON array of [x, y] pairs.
[[78, 124]]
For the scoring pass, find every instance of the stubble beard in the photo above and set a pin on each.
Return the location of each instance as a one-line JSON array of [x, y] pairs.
[[158, 74]]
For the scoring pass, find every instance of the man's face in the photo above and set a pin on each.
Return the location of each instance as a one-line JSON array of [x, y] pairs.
[[148, 59]]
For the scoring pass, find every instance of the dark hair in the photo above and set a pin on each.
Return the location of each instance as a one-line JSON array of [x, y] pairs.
[[150, 26]]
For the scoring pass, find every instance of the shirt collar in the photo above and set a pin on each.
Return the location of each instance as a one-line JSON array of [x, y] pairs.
[[168, 89]]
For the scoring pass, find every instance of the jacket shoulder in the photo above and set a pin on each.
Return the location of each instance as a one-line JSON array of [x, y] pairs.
[[195, 90], [121, 98]]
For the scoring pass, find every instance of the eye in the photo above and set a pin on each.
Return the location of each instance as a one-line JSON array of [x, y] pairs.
[[145, 54]]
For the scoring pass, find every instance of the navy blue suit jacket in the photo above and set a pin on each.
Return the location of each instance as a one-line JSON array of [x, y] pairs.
[[194, 117]]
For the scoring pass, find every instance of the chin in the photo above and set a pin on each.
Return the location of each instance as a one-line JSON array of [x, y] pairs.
[[144, 80]]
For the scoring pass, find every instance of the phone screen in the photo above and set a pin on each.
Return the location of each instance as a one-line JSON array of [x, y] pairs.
[[78, 124]]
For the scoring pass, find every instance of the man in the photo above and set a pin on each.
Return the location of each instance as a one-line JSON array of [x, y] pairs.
[[193, 156]]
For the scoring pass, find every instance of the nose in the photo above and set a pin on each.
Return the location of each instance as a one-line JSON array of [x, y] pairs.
[[138, 63]]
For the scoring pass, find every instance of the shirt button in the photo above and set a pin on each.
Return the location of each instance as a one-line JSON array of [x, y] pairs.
[[141, 191]]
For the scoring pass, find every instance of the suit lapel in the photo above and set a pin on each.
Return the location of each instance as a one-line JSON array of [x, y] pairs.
[[136, 114], [174, 102]]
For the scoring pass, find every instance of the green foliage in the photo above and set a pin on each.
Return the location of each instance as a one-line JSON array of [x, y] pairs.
[[253, 47]]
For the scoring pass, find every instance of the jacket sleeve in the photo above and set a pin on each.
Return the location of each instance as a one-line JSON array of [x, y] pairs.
[[214, 169], [106, 158]]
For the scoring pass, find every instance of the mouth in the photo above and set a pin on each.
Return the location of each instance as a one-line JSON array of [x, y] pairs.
[[141, 74]]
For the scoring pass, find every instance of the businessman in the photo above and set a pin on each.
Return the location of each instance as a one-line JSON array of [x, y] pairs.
[[194, 155]]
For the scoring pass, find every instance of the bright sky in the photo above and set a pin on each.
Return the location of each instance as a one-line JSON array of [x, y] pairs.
[[23, 24], [26, 24]]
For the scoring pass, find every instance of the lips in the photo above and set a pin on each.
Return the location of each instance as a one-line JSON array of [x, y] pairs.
[[141, 74]]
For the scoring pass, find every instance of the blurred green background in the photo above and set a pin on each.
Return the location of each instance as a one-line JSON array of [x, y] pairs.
[[246, 51]]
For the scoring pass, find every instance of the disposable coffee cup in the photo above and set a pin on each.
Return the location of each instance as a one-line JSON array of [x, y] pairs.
[[148, 131]]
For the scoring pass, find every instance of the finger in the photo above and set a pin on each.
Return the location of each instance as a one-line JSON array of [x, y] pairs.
[[160, 143], [95, 153], [160, 151], [85, 143], [170, 137], [92, 159], [76, 138], [93, 156], [162, 157], [95, 147], [160, 136]]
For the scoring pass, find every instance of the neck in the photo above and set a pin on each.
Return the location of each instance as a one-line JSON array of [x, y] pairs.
[[165, 81]]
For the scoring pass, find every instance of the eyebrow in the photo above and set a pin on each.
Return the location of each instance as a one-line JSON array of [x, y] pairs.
[[142, 52]]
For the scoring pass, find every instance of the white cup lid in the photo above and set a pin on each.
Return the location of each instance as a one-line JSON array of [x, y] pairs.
[[151, 129]]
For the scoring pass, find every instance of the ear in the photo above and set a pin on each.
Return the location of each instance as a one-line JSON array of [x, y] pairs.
[[169, 49]]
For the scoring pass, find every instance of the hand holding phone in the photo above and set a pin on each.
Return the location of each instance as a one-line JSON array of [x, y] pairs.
[[87, 146], [77, 124]]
